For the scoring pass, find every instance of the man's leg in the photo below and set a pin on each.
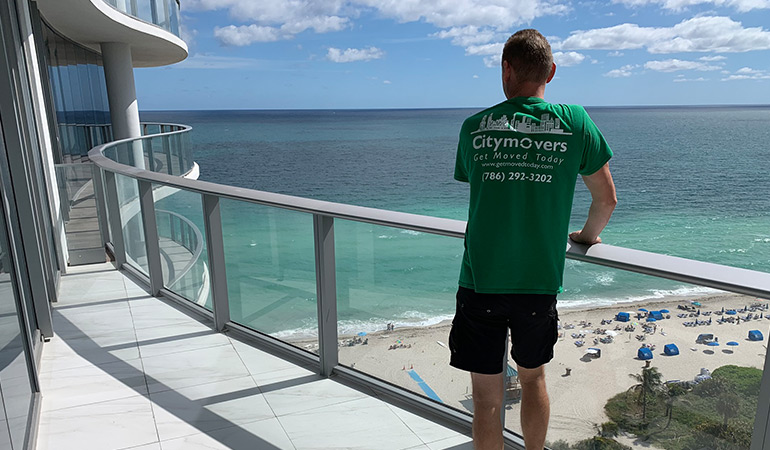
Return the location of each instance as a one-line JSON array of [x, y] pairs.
[[535, 407], [487, 402]]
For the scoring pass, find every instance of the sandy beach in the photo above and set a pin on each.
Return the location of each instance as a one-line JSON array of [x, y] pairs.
[[406, 356]]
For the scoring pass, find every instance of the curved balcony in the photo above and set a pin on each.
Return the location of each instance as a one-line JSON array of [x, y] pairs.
[[163, 13], [280, 276], [151, 27]]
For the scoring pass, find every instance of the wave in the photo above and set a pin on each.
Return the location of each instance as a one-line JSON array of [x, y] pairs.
[[652, 294], [416, 319]]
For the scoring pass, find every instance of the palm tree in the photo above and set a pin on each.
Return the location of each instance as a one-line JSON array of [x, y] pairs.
[[728, 404], [648, 382]]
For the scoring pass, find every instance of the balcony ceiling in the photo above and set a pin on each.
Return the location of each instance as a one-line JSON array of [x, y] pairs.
[[91, 22]]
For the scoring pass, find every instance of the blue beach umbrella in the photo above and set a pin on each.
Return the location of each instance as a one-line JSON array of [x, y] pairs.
[[713, 344], [363, 333], [733, 343], [650, 319], [664, 311], [642, 309], [731, 312]]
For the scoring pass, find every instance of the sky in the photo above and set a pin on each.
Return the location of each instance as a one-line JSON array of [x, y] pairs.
[[339, 54]]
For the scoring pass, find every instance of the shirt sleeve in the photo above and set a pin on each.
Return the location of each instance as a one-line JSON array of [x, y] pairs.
[[597, 151], [461, 169]]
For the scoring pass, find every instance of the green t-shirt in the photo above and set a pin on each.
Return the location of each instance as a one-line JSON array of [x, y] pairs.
[[522, 158]]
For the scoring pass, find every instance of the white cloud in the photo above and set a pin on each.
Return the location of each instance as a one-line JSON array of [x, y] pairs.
[[475, 76], [687, 80], [615, 54], [486, 49], [498, 14], [246, 34], [386, 82], [713, 58], [354, 54], [747, 73], [699, 34], [625, 71], [468, 35], [674, 65], [679, 5], [568, 59], [465, 22]]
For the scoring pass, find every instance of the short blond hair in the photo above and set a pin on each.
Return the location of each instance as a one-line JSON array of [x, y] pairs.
[[529, 54]]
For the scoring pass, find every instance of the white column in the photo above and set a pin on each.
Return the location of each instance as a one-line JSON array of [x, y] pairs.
[[121, 93]]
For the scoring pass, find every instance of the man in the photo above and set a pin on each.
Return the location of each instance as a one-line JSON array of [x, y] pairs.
[[521, 158]]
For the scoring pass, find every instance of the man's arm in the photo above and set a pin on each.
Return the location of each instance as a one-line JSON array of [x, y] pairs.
[[603, 201]]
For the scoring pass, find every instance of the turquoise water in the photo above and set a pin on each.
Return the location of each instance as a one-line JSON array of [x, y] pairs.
[[691, 182]]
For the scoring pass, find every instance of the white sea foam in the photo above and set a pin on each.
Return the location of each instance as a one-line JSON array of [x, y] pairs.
[[412, 232]]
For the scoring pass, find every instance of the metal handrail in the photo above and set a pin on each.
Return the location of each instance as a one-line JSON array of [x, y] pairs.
[[717, 276], [733, 279]]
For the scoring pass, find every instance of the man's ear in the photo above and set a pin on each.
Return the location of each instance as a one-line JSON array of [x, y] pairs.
[[553, 72]]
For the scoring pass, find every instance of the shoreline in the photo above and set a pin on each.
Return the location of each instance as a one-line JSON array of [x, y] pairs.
[[577, 399]]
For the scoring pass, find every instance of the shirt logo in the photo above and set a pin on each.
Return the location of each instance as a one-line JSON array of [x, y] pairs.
[[525, 124]]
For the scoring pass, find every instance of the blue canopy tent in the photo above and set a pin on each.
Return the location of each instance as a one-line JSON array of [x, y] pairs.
[[755, 335], [623, 317], [656, 315], [671, 349], [644, 353]]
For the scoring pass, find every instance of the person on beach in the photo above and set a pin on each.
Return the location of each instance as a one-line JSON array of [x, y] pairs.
[[521, 158]]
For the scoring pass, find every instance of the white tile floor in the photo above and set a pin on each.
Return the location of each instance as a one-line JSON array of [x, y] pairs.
[[128, 371]]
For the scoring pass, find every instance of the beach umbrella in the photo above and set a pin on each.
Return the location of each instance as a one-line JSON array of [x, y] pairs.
[[696, 303], [713, 344], [363, 333], [642, 309], [733, 343], [650, 319], [664, 311], [731, 312]]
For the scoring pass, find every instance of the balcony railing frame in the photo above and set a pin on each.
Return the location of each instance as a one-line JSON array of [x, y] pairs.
[[737, 280]]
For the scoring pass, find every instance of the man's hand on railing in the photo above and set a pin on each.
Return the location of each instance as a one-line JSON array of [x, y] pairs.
[[579, 238]]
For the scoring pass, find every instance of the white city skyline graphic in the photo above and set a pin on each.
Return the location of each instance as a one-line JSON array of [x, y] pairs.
[[526, 124]]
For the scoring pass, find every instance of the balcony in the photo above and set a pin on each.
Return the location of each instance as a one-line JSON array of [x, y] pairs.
[[127, 370], [274, 263]]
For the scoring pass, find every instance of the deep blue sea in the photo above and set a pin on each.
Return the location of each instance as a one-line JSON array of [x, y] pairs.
[[691, 182]]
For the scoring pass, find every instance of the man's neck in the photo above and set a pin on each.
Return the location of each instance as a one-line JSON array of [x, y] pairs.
[[527, 90]]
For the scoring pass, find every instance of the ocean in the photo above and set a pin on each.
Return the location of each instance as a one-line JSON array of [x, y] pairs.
[[691, 182]]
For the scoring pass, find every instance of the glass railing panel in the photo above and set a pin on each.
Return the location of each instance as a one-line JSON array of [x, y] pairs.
[[395, 300], [182, 239], [270, 264], [79, 212], [163, 13], [131, 220], [702, 378]]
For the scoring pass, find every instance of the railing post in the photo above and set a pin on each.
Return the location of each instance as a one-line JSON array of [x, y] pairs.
[[326, 292], [101, 204], [151, 242], [761, 434], [212, 220], [116, 225], [167, 152]]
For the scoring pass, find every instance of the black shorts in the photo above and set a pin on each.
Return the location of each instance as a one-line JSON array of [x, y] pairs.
[[482, 321]]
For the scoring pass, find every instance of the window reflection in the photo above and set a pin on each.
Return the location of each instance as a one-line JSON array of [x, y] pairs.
[[15, 386]]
